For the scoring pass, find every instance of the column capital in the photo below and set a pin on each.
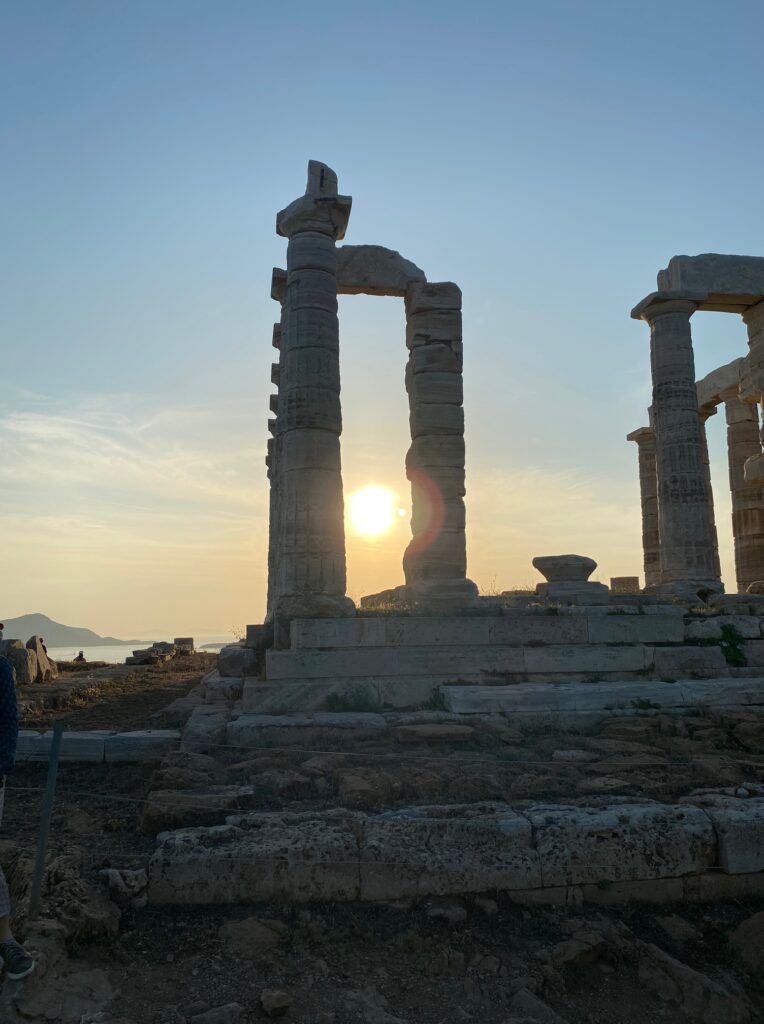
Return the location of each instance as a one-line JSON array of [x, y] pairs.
[[642, 436], [321, 209], [658, 304]]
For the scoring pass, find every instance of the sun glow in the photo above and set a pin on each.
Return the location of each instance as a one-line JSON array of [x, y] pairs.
[[373, 511]]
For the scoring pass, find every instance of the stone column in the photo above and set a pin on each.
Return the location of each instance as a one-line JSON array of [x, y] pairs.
[[278, 292], [707, 473], [435, 561], [310, 573], [648, 489], [754, 321], [685, 521], [744, 444]]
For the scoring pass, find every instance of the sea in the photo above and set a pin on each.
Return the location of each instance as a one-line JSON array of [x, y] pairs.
[[115, 654]]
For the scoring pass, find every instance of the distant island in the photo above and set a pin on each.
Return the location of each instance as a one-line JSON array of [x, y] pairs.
[[58, 635]]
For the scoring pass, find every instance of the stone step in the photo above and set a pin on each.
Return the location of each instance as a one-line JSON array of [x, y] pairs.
[[538, 852], [453, 663], [513, 628], [362, 693], [562, 701], [99, 745], [250, 731]]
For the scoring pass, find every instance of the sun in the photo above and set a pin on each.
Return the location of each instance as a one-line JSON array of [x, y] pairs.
[[372, 511]]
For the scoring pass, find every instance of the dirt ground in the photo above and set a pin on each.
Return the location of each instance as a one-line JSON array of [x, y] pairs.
[[116, 697], [428, 962]]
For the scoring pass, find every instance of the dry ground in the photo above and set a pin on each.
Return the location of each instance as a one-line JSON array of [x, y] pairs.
[[382, 964]]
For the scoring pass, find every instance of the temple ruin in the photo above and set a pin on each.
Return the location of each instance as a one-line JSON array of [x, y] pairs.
[[679, 537], [593, 717], [306, 550]]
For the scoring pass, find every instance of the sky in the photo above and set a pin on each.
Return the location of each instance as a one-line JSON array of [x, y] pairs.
[[549, 157]]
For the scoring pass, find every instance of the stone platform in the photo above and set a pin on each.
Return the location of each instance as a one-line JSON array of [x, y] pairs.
[[402, 661]]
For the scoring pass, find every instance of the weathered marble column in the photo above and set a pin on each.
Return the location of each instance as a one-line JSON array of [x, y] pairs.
[[435, 561], [754, 321], [685, 521], [743, 443], [648, 490], [710, 486], [310, 573], [272, 461]]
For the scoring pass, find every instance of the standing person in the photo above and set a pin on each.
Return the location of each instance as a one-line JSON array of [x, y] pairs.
[[17, 962]]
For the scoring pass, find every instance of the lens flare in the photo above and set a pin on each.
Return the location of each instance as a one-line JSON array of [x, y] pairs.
[[372, 511]]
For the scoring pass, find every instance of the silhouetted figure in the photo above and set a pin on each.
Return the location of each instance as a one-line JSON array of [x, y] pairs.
[[80, 659], [13, 957]]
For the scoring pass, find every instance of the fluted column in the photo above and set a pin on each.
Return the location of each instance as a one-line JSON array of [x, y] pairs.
[[310, 570], [272, 460], [435, 561], [754, 321], [743, 443], [707, 473], [648, 490], [685, 519]]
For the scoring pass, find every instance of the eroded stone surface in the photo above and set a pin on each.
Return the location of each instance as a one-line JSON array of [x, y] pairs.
[[621, 843]]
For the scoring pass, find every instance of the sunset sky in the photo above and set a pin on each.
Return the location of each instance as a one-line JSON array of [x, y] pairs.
[[548, 157]]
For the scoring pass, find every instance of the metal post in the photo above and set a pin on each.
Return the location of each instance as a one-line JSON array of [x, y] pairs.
[[47, 813]]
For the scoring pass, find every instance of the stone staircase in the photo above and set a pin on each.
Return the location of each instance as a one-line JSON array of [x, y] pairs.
[[399, 661]]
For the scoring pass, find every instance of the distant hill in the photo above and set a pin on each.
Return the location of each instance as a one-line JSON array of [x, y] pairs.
[[55, 633]]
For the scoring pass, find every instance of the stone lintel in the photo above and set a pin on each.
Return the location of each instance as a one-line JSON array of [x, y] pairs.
[[720, 385], [374, 270], [723, 282]]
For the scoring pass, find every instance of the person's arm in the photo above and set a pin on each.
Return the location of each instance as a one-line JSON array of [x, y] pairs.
[[9, 718]]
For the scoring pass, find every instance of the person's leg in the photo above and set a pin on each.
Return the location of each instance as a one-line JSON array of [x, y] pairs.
[[14, 958]]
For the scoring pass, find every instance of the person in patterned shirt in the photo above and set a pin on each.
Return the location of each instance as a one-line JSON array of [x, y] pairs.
[[15, 959]]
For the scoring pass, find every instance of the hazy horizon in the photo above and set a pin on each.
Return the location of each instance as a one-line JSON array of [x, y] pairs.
[[549, 159]]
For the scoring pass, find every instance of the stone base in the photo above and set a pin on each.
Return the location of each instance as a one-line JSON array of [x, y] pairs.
[[691, 591], [259, 636], [573, 592], [395, 597], [444, 595], [527, 705]]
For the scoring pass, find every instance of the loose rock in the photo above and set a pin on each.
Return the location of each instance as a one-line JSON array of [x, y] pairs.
[[250, 938], [228, 1014], [274, 1002], [748, 942]]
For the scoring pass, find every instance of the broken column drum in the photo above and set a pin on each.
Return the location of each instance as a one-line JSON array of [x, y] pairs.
[[306, 548]]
